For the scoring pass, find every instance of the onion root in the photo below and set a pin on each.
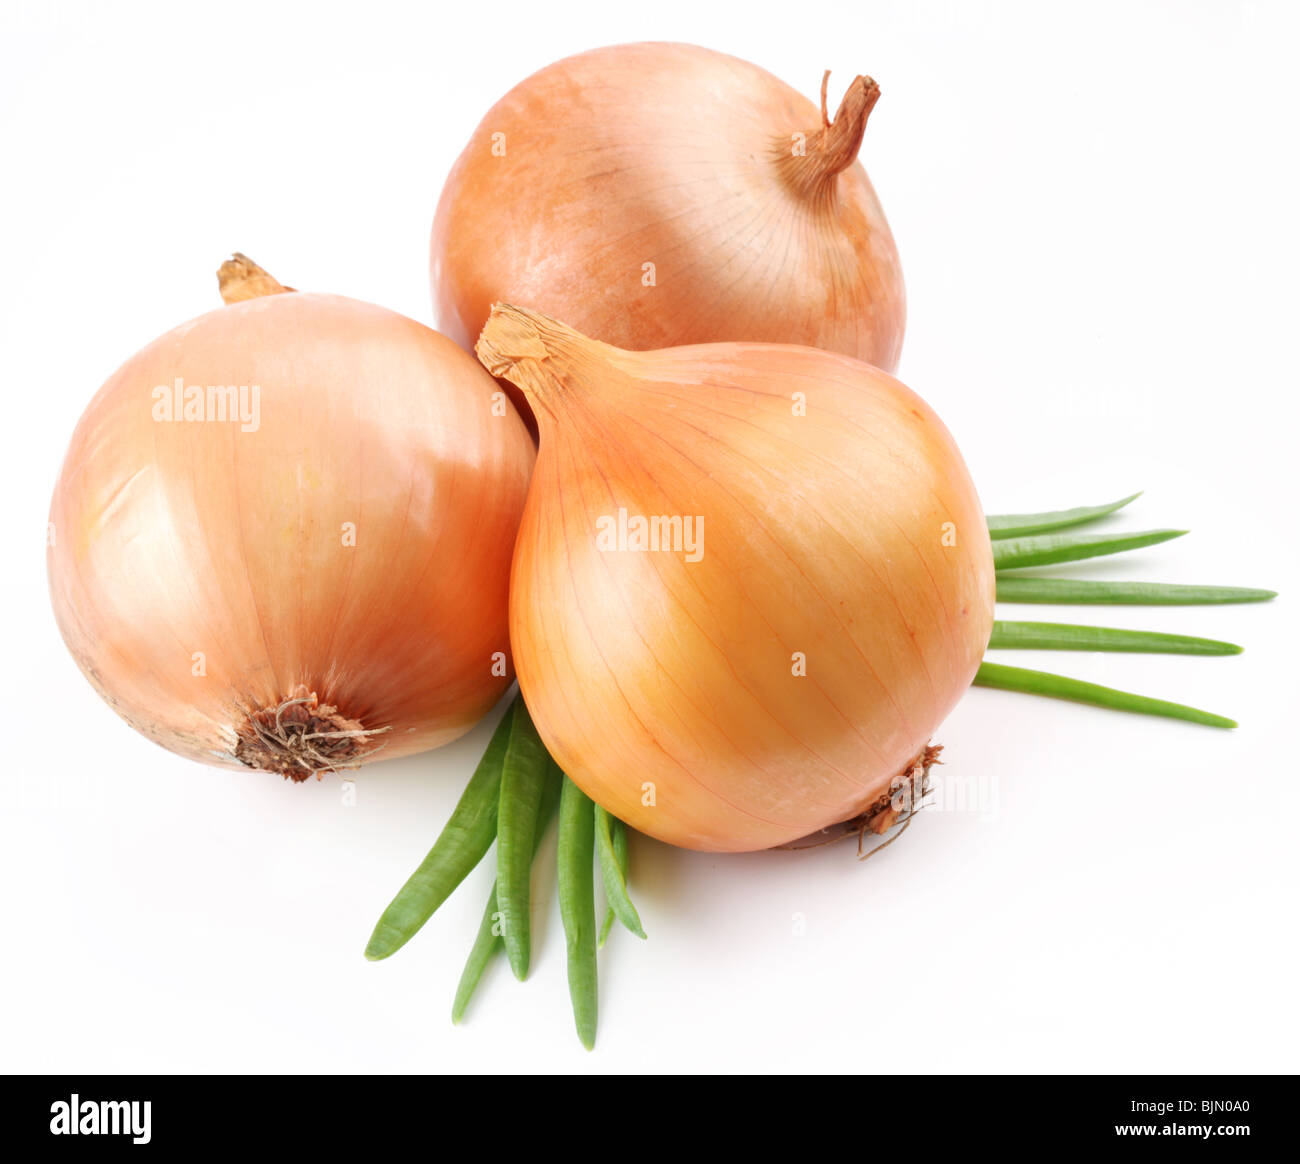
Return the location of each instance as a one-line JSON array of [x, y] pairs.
[[303, 737], [883, 813]]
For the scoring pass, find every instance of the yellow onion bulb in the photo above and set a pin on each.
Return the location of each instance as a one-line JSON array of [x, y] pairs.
[[750, 581], [281, 536], [653, 195]]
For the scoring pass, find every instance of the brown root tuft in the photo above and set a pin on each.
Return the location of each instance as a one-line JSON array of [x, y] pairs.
[[302, 737], [897, 806]]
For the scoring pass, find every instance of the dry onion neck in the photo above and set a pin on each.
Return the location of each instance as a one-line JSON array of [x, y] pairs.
[[239, 278], [536, 353], [811, 163]]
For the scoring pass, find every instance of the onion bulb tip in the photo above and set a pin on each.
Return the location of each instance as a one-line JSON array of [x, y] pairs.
[[239, 278]]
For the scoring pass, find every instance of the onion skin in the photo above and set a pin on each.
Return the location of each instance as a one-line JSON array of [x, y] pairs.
[[823, 534], [681, 157], [177, 540]]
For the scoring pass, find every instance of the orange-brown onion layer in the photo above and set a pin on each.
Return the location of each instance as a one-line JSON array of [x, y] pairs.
[[653, 195], [841, 601], [355, 541]]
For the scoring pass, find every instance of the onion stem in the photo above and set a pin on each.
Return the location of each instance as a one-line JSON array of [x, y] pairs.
[[1016, 525], [1078, 691], [1017, 553], [1061, 636], [239, 278]]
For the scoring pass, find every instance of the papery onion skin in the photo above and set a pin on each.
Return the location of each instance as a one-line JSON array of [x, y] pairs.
[[684, 158], [353, 545], [851, 535]]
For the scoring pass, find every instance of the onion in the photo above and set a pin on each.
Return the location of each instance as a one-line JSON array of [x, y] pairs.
[[653, 195], [281, 536], [750, 581]]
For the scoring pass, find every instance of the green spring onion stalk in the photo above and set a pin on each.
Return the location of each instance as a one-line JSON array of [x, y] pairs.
[[462, 844], [578, 905], [524, 770], [1019, 525], [489, 940], [1047, 549], [1086, 591], [1077, 691]]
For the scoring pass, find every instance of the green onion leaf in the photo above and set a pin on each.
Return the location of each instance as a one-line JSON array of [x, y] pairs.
[[460, 846], [613, 877], [1077, 691], [1062, 636], [578, 905], [1071, 591], [1016, 525], [486, 944], [523, 776], [620, 855], [489, 940], [1016, 553]]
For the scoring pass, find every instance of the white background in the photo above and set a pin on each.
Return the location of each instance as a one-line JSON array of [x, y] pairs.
[[1096, 209]]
